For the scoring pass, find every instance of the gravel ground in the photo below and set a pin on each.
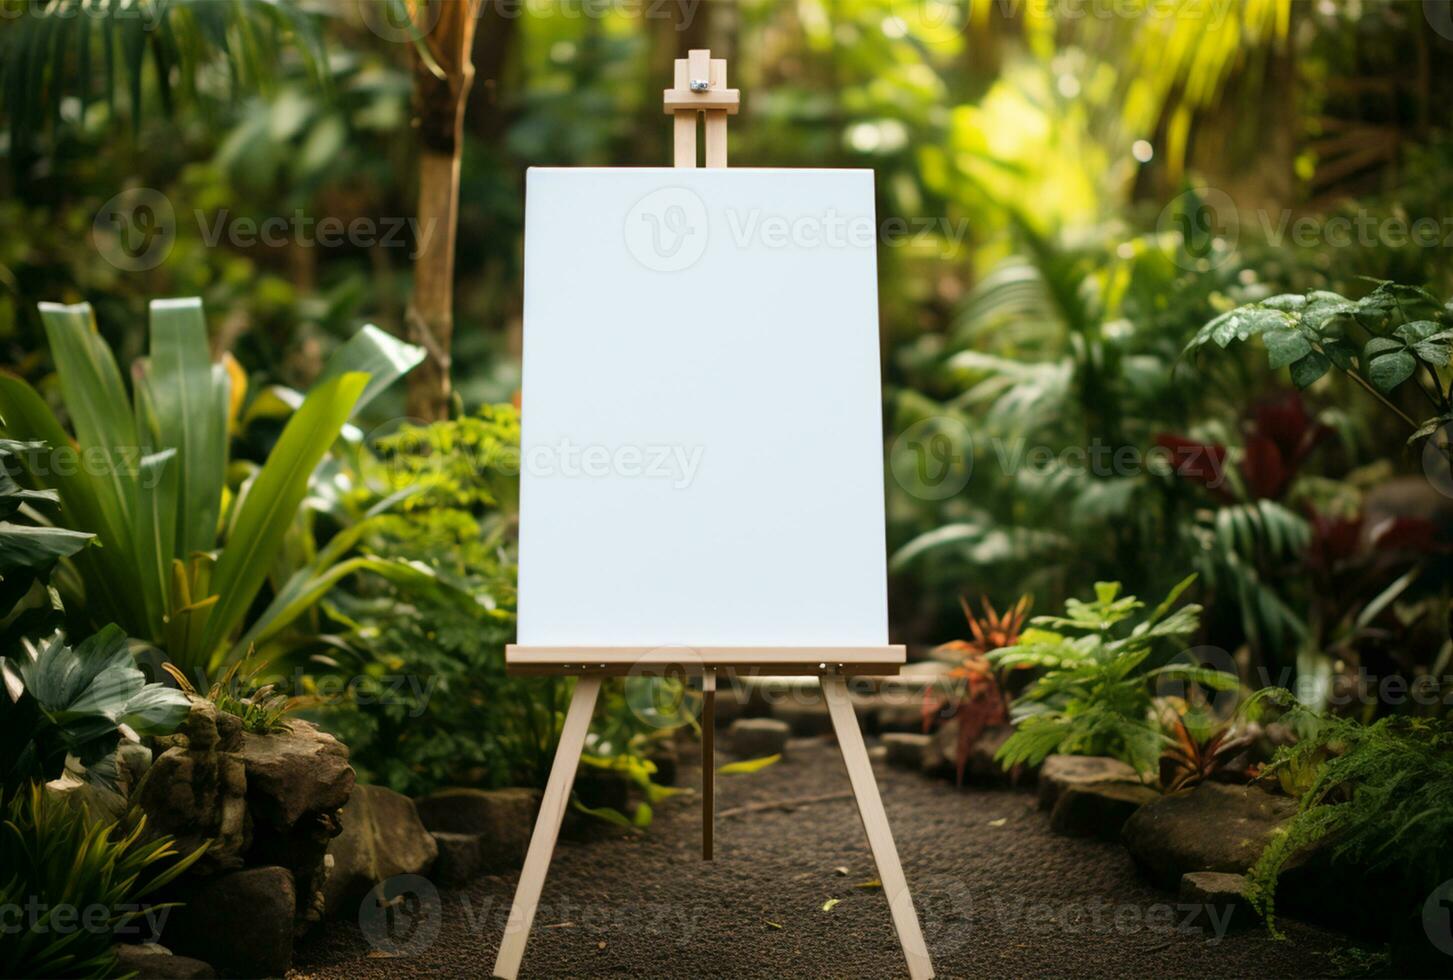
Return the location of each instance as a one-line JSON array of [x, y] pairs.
[[998, 895]]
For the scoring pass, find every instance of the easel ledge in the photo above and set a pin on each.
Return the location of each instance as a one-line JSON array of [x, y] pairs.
[[759, 661]]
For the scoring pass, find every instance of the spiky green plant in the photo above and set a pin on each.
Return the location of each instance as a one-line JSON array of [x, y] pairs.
[[181, 558], [84, 880]]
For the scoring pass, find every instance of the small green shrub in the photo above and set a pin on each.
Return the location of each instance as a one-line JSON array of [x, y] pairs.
[[1380, 795], [1095, 695], [429, 703], [84, 880]]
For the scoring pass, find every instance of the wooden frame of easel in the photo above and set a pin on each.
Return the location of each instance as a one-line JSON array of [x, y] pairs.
[[700, 90]]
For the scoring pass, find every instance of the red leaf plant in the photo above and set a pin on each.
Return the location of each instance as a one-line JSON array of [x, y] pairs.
[[1279, 438], [1194, 758], [976, 699]]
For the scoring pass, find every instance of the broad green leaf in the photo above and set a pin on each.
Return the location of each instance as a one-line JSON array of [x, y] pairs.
[[1285, 346], [1340, 353], [153, 534], [382, 356], [1217, 680], [155, 710], [1309, 369], [1379, 345], [1388, 371], [26, 416], [28, 546], [1411, 333], [942, 537], [272, 502], [191, 417], [748, 765], [99, 409], [1433, 352], [306, 586]]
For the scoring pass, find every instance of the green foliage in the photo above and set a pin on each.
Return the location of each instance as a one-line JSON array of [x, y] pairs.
[[28, 549], [1380, 341], [54, 855], [150, 485], [431, 703], [61, 700], [47, 54], [1379, 797], [1058, 368], [1094, 696]]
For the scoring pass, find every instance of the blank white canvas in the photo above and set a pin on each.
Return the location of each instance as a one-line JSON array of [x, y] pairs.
[[702, 457]]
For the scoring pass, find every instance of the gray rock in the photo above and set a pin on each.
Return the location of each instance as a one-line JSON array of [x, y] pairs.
[[381, 836], [1098, 809], [753, 738], [1224, 897], [297, 781], [150, 961], [890, 711], [134, 759], [1062, 771], [297, 771], [196, 787], [501, 818], [242, 923], [805, 719], [1213, 827], [985, 769], [461, 858], [919, 753]]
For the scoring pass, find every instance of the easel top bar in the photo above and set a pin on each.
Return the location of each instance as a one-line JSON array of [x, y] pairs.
[[701, 84]]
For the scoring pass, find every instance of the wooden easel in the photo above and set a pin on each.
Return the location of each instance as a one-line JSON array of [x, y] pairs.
[[700, 89]]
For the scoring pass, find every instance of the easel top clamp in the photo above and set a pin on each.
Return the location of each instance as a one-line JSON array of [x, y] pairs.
[[701, 88]]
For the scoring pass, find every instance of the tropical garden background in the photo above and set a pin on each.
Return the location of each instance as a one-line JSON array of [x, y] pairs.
[[1165, 313]]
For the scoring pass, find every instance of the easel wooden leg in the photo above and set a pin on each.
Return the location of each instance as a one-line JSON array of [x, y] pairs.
[[547, 827], [875, 824], [708, 761]]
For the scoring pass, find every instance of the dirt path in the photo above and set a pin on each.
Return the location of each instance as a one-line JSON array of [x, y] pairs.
[[998, 893]]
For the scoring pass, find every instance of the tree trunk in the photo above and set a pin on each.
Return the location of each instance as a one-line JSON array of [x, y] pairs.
[[439, 117]]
